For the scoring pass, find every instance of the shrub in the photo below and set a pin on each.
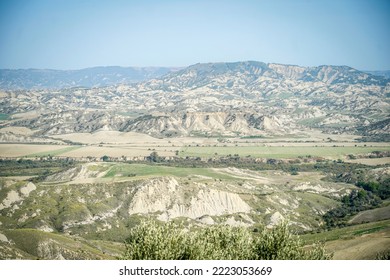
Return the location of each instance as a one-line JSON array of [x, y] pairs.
[[220, 243], [152, 241], [280, 244], [383, 255]]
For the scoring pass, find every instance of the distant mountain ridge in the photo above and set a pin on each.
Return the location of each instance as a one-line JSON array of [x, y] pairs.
[[203, 73], [26, 79], [246, 98], [385, 74], [89, 77]]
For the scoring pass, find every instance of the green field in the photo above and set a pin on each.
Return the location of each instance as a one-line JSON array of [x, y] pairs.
[[54, 152], [144, 170], [278, 152]]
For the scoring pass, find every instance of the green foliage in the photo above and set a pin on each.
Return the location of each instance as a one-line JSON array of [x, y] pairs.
[[154, 157], [335, 171], [220, 242], [281, 244], [382, 189], [152, 241], [383, 256], [278, 152], [36, 244], [356, 201], [149, 241], [369, 195], [27, 167], [105, 158], [347, 233]]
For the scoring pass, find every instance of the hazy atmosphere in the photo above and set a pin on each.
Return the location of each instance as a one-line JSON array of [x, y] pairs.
[[195, 130], [80, 34]]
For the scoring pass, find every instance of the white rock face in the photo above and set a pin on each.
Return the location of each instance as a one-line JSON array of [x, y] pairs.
[[27, 189], [11, 198], [207, 220], [45, 228], [275, 219], [167, 196], [14, 196], [3, 238], [49, 249], [320, 189], [231, 221]]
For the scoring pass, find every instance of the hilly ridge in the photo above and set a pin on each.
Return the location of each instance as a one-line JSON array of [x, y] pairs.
[[89, 77], [242, 98]]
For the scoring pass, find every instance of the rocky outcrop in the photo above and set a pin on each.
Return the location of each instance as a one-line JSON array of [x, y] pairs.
[[169, 200], [207, 123], [16, 196]]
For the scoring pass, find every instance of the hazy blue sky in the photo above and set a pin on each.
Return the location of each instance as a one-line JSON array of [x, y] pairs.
[[73, 34]]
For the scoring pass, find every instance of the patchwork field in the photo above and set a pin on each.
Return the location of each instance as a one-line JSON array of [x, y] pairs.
[[111, 137], [195, 148], [119, 151], [32, 150], [288, 151]]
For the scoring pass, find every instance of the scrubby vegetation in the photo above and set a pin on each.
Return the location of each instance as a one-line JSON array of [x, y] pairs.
[[91, 201], [381, 189], [356, 201], [41, 167], [383, 256], [153, 241], [370, 195]]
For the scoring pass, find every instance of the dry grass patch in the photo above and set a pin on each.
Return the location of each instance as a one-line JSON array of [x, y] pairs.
[[372, 215], [364, 247], [371, 161], [119, 151], [112, 137], [20, 150]]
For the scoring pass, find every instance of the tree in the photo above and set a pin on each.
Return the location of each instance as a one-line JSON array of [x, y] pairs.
[[105, 158], [154, 157], [153, 241]]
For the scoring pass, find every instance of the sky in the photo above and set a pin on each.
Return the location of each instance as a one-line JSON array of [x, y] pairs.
[[75, 34]]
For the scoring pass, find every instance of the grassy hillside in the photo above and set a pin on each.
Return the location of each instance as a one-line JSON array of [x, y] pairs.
[[363, 241], [372, 215], [36, 244], [87, 210]]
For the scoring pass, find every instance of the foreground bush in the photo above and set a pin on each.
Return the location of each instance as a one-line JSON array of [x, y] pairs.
[[151, 241]]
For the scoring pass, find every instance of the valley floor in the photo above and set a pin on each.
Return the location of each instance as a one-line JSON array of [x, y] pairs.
[[69, 202]]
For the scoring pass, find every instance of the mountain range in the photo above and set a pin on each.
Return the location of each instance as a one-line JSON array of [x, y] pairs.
[[233, 99], [18, 79], [89, 77]]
